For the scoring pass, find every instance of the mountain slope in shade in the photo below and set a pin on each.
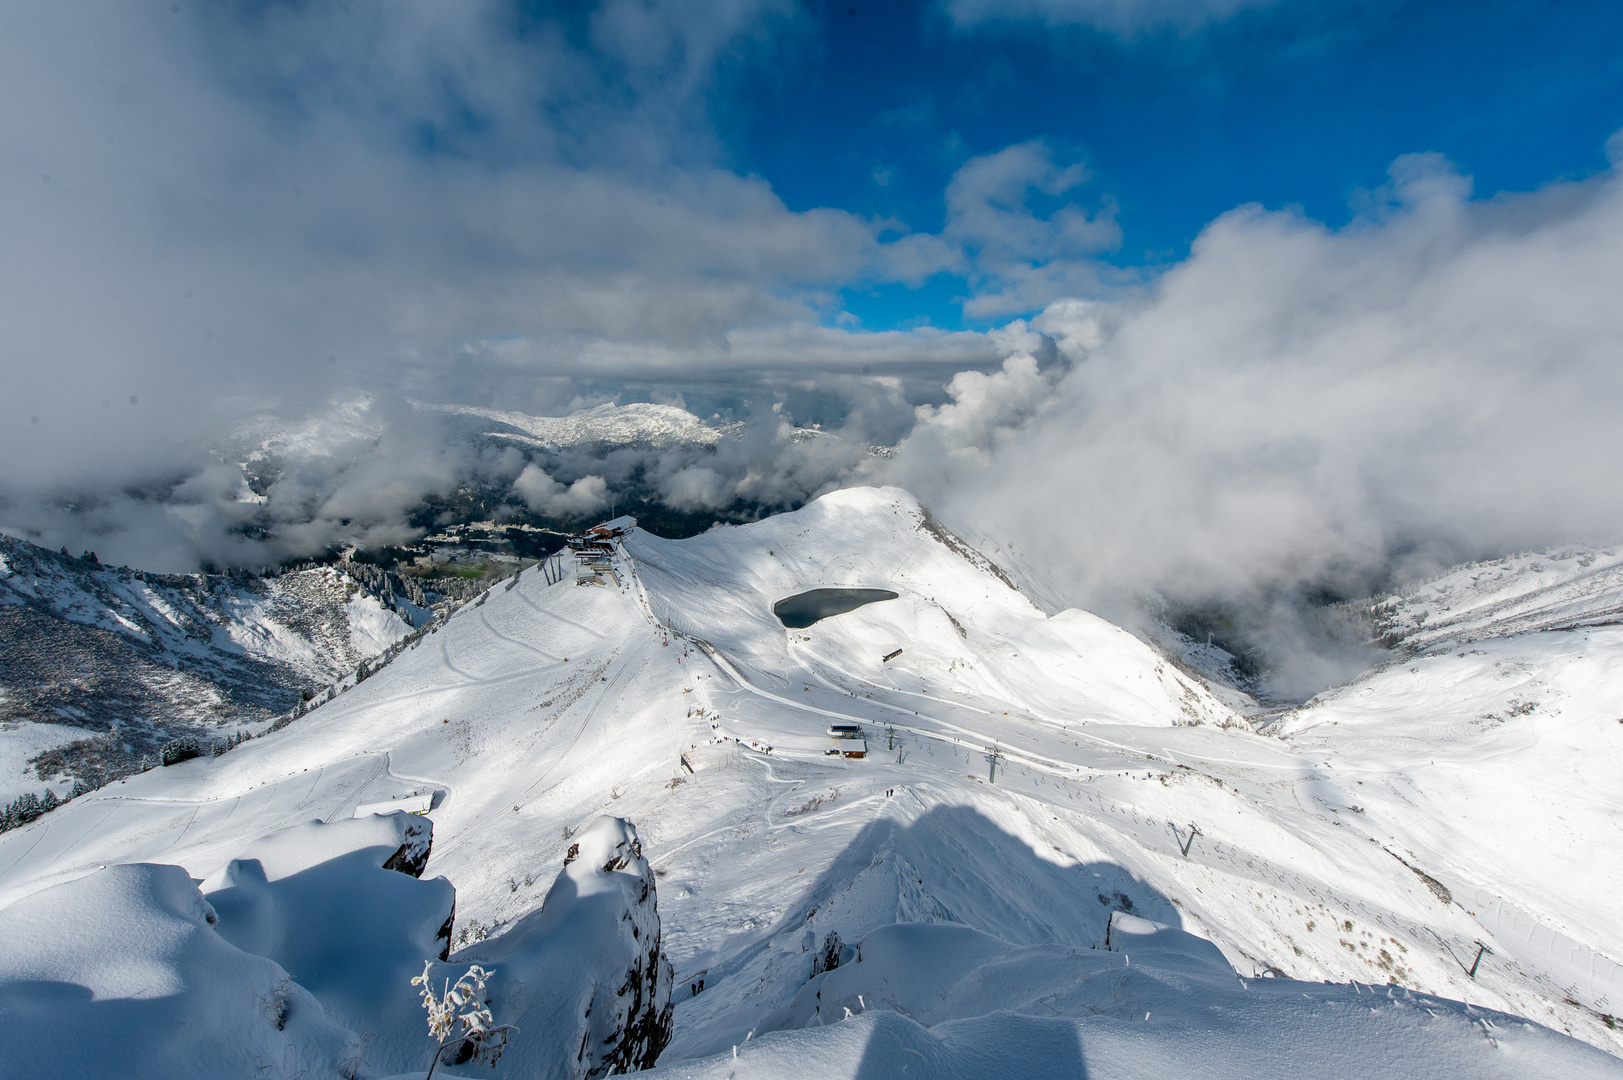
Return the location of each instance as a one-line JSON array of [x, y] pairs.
[[91, 652]]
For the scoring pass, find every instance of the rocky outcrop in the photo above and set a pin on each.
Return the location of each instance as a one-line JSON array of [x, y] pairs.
[[417, 839], [639, 1021], [585, 978]]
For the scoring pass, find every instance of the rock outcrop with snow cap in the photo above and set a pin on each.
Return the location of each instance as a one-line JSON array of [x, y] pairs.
[[584, 979]]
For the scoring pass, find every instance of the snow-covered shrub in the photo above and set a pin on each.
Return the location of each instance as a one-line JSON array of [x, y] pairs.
[[462, 1005], [25, 808], [276, 1005], [232, 742], [93, 762], [472, 932]]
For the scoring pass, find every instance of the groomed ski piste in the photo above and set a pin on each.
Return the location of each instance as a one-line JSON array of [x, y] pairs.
[[1062, 855]]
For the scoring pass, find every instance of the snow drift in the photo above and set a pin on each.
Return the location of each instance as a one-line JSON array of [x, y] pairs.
[[326, 903], [951, 1002], [121, 974], [296, 959]]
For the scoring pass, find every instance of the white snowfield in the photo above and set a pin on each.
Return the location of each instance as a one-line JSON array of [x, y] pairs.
[[641, 423], [1302, 902]]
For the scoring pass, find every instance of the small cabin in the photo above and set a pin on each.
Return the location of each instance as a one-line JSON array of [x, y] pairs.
[[846, 741]]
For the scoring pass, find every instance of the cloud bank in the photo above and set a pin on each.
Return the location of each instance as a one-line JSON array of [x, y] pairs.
[[1297, 409], [218, 212]]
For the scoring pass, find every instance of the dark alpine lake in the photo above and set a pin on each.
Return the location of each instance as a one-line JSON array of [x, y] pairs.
[[801, 610]]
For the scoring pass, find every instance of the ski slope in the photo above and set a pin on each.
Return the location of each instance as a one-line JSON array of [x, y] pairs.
[[1369, 840]]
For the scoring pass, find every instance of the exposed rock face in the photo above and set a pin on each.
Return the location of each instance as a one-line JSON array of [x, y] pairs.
[[584, 978], [417, 839], [640, 1021]]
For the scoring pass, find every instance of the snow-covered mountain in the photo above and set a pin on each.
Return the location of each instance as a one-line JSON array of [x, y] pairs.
[[1551, 590], [99, 665], [640, 423], [1061, 854]]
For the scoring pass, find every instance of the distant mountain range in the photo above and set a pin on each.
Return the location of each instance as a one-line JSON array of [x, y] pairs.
[[1560, 589]]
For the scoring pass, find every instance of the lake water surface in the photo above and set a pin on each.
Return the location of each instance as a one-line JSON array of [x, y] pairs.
[[801, 610]]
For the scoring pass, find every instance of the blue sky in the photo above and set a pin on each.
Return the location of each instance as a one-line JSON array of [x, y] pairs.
[[1290, 105]]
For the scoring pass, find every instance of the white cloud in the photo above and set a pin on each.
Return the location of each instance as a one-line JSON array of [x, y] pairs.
[[696, 488], [229, 206], [959, 440], [1077, 326], [1021, 260], [544, 495], [229, 210], [235, 204], [793, 348], [1298, 406]]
